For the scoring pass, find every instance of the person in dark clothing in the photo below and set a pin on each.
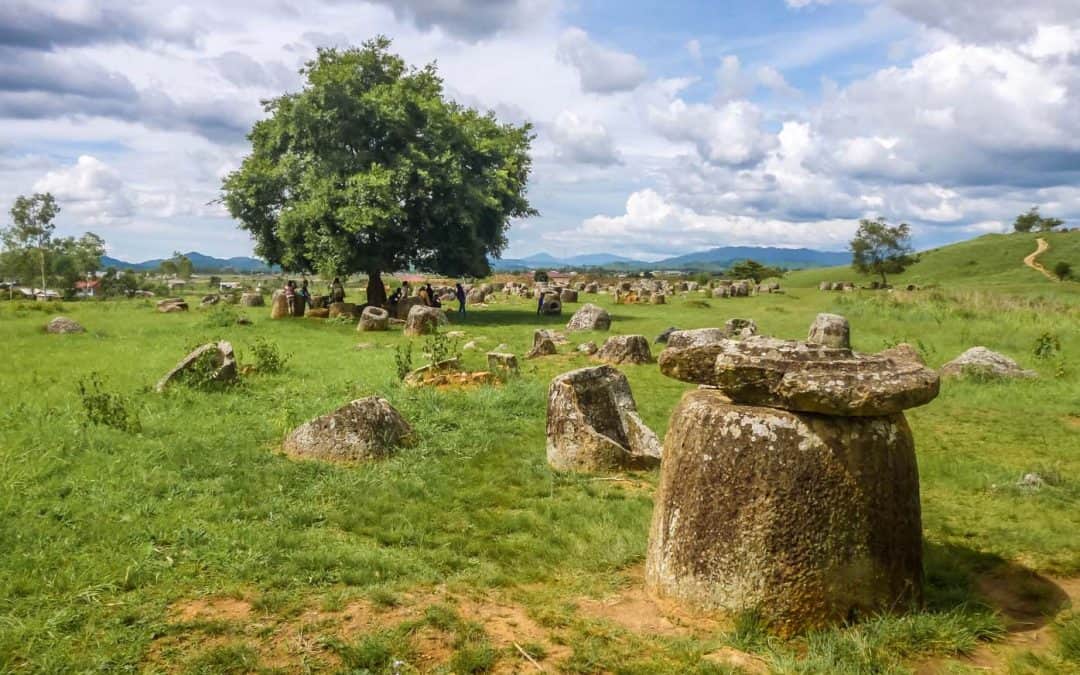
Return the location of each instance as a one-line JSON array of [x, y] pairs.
[[459, 293], [395, 296], [433, 298], [305, 294], [540, 303], [337, 291]]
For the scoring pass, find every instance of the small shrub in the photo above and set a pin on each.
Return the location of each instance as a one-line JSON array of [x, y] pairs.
[[403, 359], [106, 408], [267, 357], [442, 348], [221, 316], [1046, 346], [1063, 270], [750, 631]]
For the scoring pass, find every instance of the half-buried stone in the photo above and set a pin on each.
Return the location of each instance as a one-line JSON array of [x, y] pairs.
[[62, 324], [593, 425], [367, 428], [589, 317], [619, 349], [806, 519], [423, 320], [831, 330], [212, 362]]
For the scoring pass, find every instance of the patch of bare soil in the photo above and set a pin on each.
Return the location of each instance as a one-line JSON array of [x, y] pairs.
[[510, 627], [747, 663], [209, 609], [639, 612], [1027, 602]]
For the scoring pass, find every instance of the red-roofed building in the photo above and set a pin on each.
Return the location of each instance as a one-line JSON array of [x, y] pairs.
[[87, 289]]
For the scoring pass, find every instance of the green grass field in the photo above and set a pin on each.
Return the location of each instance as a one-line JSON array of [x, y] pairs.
[[193, 545]]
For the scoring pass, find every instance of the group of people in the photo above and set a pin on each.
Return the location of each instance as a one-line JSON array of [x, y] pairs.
[[300, 298], [297, 298], [428, 296]]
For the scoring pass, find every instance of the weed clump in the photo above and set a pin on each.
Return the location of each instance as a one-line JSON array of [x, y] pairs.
[[106, 408], [267, 356], [403, 359]]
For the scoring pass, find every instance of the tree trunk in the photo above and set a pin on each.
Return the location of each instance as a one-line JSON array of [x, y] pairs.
[[376, 291]]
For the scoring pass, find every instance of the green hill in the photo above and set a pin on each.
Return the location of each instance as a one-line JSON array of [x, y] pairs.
[[992, 260]]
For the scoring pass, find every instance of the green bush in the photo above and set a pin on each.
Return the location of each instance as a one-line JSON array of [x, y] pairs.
[[106, 408], [267, 356], [403, 359]]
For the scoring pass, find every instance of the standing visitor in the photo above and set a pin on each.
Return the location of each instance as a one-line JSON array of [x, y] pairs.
[[305, 294], [540, 303], [423, 295], [337, 291], [290, 296], [433, 298], [459, 293]]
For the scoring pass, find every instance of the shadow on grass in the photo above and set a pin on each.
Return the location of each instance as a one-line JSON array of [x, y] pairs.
[[957, 576]]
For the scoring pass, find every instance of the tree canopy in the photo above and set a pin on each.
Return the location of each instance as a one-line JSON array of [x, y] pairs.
[[369, 168], [31, 252], [752, 269], [880, 249], [1032, 220]]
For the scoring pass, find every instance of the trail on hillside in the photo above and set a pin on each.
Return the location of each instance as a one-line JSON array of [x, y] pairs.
[[1034, 264]]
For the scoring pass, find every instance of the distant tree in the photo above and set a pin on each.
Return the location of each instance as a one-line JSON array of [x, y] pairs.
[[184, 267], [1062, 270], [369, 169], [27, 241], [215, 281], [1032, 221], [168, 267], [752, 269], [75, 259], [880, 249], [540, 276]]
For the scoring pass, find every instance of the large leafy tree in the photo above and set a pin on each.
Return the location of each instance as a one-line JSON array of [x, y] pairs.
[[880, 249], [369, 168], [28, 239], [1032, 220]]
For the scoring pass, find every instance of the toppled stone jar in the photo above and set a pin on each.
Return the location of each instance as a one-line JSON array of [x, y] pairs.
[[790, 488]]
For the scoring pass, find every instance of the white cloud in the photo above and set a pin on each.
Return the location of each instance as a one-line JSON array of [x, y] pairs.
[[583, 141], [91, 189], [602, 70], [728, 134]]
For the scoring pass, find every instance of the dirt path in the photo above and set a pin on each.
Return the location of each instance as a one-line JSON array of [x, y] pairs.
[[1034, 264]]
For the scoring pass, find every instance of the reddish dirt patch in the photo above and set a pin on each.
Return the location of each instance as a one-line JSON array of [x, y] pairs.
[[639, 612], [433, 648], [747, 663], [210, 609], [509, 627], [1072, 421]]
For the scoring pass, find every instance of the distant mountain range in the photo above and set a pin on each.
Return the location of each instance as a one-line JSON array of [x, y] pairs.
[[200, 261], [712, 259]]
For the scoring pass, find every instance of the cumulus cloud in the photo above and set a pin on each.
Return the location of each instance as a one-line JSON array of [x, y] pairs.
[[990, 21], [602, 70], [91, 189], [729, 134], [583, 141]]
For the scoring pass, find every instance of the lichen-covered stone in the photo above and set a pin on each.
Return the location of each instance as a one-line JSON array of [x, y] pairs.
[[367, 428], [171, 305], [831, 330], [252, 300], [807, 519], [423, 320], [543, 344], [552, 306], [902, 352], [982, 362], [568, 295], [593, 425], [279, 306], [619, 349], [62, 324], [814, 378], [589, 317], [500, 362], [691, 354], [373, 319], [337, 309], [658, 299], [589, 348]]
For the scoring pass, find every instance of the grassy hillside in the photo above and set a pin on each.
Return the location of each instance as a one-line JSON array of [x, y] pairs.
[[993, 260]]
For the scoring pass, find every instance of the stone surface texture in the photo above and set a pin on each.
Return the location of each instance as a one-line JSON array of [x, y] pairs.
[[982, 362], [619, 349], [589, 317], [367, 428]]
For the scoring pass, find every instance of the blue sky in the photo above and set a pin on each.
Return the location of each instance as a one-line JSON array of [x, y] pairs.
[[661, 128]]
